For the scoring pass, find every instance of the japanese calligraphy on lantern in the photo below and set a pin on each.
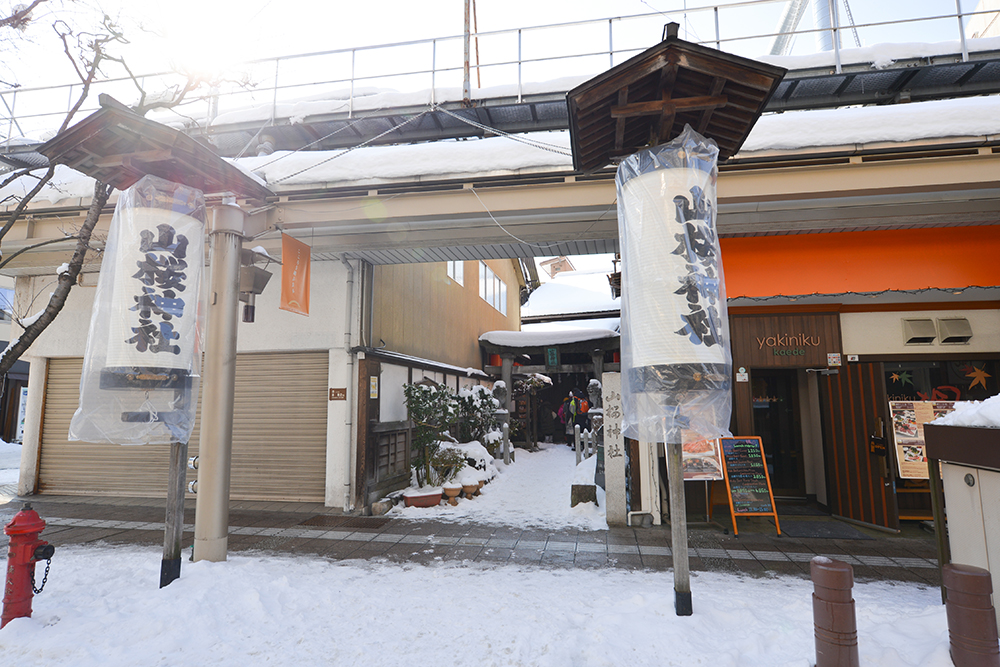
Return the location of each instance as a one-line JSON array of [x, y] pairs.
[[676, 363], [155, 290], [672, 286], [143, 349]]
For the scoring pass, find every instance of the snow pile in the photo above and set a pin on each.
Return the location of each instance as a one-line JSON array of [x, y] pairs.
[[973, 413], [481, 467], [102, 608], [880, 56], [494, 156], [585, 471], [968, 117], [534, 491]]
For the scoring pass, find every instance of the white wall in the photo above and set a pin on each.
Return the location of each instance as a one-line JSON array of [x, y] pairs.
[[273, 330], [882, 332], [392, 401]]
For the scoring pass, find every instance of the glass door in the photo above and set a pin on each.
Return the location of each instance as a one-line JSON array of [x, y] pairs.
[[776, 421]]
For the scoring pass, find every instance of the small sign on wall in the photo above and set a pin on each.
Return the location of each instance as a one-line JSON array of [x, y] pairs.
[[338, 394], [373, 387], [833, 359]]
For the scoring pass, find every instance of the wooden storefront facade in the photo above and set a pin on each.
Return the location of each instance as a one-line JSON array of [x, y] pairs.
[[818, 408]]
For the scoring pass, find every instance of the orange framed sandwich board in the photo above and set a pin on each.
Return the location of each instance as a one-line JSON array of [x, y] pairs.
[[747, 483]]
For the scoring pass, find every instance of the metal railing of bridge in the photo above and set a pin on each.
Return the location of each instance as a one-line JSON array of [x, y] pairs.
[[506, 62]]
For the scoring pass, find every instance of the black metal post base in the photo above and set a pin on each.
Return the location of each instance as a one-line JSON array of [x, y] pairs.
[[682, 603], [169, 570]]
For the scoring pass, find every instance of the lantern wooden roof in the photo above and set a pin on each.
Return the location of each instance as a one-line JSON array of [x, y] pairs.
[[118, 147], [649, 98]]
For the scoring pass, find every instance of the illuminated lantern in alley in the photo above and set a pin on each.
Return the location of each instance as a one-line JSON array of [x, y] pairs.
[[676, 359], [139, 382]]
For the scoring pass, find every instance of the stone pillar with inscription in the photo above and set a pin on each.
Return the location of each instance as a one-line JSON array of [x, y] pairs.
[[616, 505]]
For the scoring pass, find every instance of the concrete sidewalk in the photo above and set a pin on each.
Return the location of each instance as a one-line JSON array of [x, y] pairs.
[[311, 528]]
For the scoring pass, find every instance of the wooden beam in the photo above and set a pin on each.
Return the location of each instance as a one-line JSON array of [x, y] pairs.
[[717, 85], [661, 107], [157, 155], [664, 122], [612, 84], [620, 123], [717, 67]]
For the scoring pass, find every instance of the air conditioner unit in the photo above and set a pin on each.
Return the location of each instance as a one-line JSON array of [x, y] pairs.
[[919, 332], [954, 331]]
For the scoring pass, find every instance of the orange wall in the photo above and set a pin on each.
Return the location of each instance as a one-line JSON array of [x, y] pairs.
[[904, 259]]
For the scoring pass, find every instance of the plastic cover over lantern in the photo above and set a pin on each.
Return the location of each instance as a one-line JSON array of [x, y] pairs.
[[140, 370], [676, 359]]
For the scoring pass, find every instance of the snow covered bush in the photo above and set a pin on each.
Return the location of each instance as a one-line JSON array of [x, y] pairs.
[[431, 407], [446, 463], [476, 413]]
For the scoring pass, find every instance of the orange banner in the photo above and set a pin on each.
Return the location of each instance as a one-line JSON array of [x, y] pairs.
[[294, 275]]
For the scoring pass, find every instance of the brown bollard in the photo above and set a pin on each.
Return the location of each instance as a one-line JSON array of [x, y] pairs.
[[972, 621], [833, 613]]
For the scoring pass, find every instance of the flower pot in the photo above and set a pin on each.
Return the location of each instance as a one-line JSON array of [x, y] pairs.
[[422, 499], [470, 490], [452, 493]]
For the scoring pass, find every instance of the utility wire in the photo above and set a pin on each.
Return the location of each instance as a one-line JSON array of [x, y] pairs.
[[323, 138], [552, 148], [352, 148]]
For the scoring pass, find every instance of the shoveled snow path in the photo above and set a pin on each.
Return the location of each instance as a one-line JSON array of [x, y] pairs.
[[533, 491]]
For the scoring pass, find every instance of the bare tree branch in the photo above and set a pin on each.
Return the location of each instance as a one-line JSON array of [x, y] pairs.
[[8, 258], [16, 214], [21, 17], [66, 281]]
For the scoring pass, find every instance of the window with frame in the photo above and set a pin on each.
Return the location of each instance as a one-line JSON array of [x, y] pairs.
[[456, 271], [492, 290]]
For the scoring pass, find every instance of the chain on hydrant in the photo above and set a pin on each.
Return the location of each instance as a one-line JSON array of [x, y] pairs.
[[24, 550]]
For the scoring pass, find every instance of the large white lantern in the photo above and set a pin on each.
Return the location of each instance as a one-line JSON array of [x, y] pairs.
[[676, 359], [141, 367]]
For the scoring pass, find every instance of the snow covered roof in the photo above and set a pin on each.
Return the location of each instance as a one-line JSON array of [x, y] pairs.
[[543, 338], [419, 362], [572, 292], [965, 117], [546, 152]]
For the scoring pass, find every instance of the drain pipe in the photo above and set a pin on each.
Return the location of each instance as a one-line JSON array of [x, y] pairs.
[[348, 325]]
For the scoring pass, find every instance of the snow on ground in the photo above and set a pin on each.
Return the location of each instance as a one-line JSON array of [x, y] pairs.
[[101, 607], [533, 491], [10, 462]]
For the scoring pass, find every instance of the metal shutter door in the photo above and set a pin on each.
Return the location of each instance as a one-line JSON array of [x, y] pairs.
[[85, 468], [279, 427], [279, 436]]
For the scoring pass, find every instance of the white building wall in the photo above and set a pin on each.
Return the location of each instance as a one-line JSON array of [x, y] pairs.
[[882, 332], [392, 403], [273, 330]]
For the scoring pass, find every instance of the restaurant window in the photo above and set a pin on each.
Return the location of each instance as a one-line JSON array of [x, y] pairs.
[[492, 290], [964, 380]]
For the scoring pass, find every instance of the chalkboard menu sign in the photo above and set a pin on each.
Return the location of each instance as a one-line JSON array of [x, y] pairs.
[[747, 481]]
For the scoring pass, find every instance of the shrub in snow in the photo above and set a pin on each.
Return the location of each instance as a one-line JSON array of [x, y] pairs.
[[431, 408], [476, 413], [446, 462]]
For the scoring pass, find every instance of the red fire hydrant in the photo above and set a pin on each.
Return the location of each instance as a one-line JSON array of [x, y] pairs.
[[24, 550]]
